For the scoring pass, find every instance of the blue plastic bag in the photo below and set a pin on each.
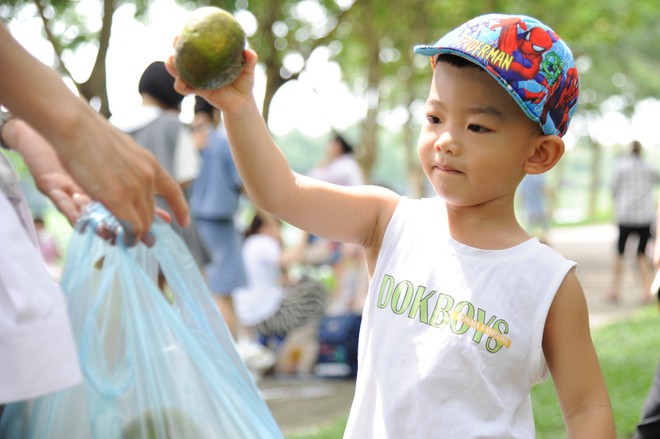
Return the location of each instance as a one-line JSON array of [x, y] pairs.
[[157, 358]]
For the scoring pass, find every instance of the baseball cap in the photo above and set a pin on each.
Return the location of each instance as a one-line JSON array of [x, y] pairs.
[[526, 57]]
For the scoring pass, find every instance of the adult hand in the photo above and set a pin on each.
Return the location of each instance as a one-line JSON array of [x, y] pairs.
[[106, 163], [121, 174], [104, 224], [55, 182]]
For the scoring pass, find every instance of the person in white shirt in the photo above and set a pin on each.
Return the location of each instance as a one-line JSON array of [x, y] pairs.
[[272, 304]]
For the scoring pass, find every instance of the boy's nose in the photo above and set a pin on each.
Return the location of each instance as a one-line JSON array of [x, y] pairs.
[[445, 143]]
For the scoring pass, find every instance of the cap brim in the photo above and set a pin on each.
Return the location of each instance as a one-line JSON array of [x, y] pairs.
[[434, 50], [427, 50]]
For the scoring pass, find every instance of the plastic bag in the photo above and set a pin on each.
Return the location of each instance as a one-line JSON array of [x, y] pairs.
[[157, 358]]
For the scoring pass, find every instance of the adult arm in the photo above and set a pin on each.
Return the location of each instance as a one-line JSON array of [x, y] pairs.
[[574, 365], [105, 162]]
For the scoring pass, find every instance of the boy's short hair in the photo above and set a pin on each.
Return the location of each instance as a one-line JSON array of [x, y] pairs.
[[526, 57]]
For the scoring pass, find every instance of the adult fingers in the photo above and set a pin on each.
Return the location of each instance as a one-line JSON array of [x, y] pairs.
[[80, 200], [133, 208], [65, 204], [170, 190], [164, 215]]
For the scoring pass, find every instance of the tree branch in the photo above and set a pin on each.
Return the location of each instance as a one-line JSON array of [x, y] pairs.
[[60, 67]]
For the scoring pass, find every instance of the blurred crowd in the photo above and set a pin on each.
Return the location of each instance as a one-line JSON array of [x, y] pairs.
[[291, 301], [272, 283]]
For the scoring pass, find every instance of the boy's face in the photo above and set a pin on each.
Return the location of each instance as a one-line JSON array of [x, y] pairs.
[[475, 140]]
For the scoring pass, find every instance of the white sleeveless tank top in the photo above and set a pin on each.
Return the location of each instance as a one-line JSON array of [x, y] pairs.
[[450, 343]]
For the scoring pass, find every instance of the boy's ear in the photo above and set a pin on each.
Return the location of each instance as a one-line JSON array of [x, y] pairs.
[[547, 152]]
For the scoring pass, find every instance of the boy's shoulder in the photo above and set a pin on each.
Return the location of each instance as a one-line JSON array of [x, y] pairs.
[[417, 205], [423, 212]]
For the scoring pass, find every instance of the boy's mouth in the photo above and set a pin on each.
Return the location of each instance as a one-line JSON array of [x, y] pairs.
[[447, 168]]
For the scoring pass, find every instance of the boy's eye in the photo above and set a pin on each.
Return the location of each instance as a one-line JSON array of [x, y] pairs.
[[433, 119], [478, 129]]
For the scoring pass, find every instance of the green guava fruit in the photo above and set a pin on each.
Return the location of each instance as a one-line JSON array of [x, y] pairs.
[[209, 51]]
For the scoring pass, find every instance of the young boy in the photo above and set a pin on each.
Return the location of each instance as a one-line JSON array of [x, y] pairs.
[[466, 312]]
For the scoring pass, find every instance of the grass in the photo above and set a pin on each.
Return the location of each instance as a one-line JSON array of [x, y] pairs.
[[630, 354], [333, 431], [628, 351]]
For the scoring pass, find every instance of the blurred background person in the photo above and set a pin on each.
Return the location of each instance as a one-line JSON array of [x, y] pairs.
[[649, 424], [535, 200], [156, 126], [214, 201], [273, 306], [48, 247], [339, 166], [634, 207]]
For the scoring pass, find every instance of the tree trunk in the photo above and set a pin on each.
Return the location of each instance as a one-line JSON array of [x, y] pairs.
[[595, 176], [414, 172], [96, 84], [367, 154], [269, 54]]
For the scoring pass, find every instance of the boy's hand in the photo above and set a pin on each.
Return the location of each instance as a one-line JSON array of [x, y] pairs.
[[229, 98]]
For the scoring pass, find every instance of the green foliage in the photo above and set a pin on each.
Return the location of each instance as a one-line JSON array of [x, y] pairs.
[[70, 28], [17, 163], [301, 151], [614, 43], [611, 37]]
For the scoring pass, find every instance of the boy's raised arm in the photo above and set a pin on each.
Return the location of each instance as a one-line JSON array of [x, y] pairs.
[[335, 212], [574, 366]]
